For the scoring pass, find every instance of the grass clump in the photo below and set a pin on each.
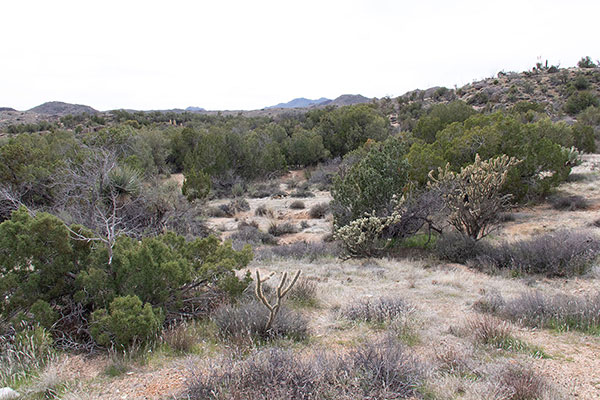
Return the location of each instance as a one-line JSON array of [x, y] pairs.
[[180, 338], [24, 354], [302, 193], [304, 293], [491, 331], [518, 382], [379, 310], [263, 211]]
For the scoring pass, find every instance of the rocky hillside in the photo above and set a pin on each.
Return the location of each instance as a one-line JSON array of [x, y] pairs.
[[347, 100], [59, 108], [552, 88], [300, 102]]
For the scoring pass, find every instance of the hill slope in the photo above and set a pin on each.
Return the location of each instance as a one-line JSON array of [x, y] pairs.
[[59, 108], [300, 102]]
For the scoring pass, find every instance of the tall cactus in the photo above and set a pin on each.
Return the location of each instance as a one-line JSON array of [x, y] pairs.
[[473, 195], [280, 292]]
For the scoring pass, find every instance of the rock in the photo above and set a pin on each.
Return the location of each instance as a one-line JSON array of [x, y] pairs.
[[7, 393]]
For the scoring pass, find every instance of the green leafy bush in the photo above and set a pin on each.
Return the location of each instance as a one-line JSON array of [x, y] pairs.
[[126, 322], [196, 185], [541, 146], [439, 116], [369, 184], [579, 101], [586, 62], [48, 269], [347, 128]]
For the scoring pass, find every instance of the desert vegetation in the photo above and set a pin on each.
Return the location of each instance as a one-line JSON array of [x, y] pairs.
[[448, 252]]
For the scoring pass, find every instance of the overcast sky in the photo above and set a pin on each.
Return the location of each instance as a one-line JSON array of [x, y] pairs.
[[246, 54]]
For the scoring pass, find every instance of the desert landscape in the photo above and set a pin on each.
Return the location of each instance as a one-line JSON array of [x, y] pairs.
[[299, 201]]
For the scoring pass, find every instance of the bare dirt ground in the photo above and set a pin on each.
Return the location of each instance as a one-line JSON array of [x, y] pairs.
[[442, 294], [279, 212]]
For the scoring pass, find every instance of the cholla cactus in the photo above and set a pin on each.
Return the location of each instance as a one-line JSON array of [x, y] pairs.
[[361, 237], [281, 291], [473, 195]]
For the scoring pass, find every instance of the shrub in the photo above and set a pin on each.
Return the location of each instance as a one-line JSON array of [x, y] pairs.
[[458, 248], [579, 101], [474, 196], [439, 116], [263, 190], [252, 235], [580, 83], [571, 203], [49, 271], [302, 193], [583, 137], [196, 185], [249, 320], [539, 145], [282, 229], [263, 211], [562, 312], [345, 129], [319, 210], [301, 250], [368, 185], [381, 370], [297, 205], [518, 382], [322, 176], [561, 253], [379, 310], [126, 323], [218, 212], [586, 62]]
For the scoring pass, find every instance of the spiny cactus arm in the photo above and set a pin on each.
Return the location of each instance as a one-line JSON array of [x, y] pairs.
[[259, 292], [292, 283]]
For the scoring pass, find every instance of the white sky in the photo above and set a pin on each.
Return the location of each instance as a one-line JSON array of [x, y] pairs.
[[236, 54]]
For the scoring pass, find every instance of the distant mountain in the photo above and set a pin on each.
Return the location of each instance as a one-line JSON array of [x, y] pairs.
[[195, 109], [347, 100], [300, 102], [7, 109], [59, 108]]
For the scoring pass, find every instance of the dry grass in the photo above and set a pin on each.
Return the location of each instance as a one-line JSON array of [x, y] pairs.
[[379, 310], [181, 337], [383, 370], [560, 311], [24, 354], [249, 320]]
